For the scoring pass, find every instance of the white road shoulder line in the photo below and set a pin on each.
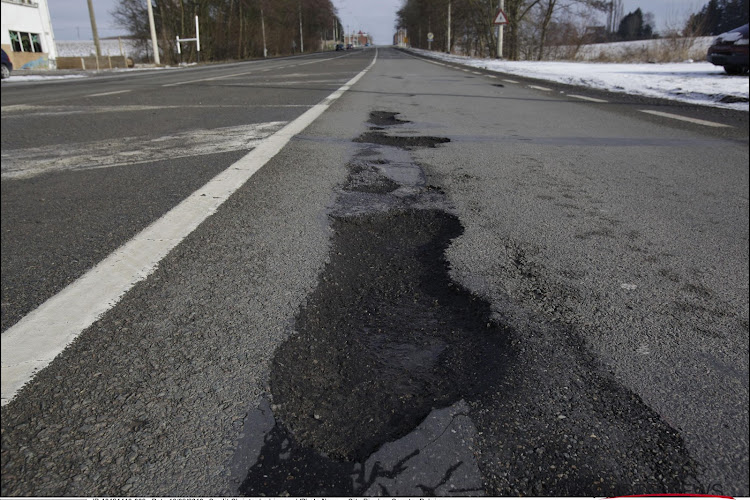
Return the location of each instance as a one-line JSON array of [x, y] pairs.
[[509, 81], [32, 343], [109, 93], [684, 118], [585, 98], [537, 87]]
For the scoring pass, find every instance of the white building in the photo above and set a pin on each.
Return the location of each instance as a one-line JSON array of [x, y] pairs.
[[27, 35]]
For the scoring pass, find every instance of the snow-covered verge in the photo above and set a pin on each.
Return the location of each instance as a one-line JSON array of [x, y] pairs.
[[699, 83], [655, 50]]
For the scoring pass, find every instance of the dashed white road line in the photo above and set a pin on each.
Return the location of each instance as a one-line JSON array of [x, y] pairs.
[[509, 81], [211, 78], [491, 76], [537, 87], [684, 118], [33, 342], [108, 93], [585, 98]]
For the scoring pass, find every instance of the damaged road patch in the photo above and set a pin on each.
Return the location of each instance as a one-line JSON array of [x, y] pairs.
[[386, 344]]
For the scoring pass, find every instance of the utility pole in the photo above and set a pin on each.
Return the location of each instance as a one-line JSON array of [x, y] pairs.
[[301, 40], [448, 41], [263, 31], [153, 31], [95, 32]]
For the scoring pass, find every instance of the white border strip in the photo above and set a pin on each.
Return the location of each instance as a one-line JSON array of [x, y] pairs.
[[684, 118], [33, 342], [108, 93], [586, 98]]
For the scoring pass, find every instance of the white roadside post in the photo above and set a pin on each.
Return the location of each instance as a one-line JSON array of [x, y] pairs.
[[197, 40]]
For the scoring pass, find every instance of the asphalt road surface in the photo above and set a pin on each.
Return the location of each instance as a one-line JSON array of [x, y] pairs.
[[439, 281]]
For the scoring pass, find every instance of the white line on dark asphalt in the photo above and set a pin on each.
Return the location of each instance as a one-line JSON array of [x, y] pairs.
[[510, 81], [592, 99], [211, 78], [32, 343], [540, 88], [108, 93], [684, 118]]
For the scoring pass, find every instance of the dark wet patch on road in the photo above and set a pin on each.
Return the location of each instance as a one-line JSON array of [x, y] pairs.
[[391, 364], [386, 340], [406, 142], [385, 119]]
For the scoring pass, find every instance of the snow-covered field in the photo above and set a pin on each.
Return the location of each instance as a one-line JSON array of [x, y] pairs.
[[699, 83]]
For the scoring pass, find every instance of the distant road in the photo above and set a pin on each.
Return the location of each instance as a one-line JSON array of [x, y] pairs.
[[449, 282]]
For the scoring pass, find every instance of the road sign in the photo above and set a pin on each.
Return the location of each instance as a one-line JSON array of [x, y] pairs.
[[500, 18], [430, 37]]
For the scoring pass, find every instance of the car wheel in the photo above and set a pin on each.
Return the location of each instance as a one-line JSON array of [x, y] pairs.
[[6, 72], [734, 70]]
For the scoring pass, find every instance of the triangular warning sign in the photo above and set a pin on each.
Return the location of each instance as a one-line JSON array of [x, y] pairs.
[[500, 18]]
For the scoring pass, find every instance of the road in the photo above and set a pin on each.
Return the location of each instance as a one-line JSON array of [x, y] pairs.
[[439, 281]]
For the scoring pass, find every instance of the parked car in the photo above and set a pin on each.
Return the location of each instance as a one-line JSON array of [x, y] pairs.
[[349, 46], [7, 65], [730, 50], [339, 46]]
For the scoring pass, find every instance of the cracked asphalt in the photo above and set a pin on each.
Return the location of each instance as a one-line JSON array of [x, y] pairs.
[[441, 287]]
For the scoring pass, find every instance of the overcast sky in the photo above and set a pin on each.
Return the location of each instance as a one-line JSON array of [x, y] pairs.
[[70, 18]]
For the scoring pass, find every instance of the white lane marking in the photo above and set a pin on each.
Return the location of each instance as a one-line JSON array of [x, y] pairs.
[[585, 98], [108, 93], [684, 118], [33, 342], [476, 72], [509, 81], [491, 76], [464, 69], [211, 78], [540, 88]]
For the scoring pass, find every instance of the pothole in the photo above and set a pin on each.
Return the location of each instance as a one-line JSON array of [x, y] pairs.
[[385, 119], [384, 341], [406, 142]]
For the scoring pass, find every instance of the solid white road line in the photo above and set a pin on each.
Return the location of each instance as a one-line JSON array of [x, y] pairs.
[[108, 93], [592, 99], [32, 343], [684, 118]]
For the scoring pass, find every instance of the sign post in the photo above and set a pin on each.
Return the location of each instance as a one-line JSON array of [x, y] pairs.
[[500, 21], [430, 38]]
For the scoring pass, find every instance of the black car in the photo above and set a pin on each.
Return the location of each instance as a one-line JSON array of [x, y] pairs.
[[339, 46], [730, 50], [7, 65]]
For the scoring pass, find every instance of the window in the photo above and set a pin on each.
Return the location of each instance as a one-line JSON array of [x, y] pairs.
[[25, 42]]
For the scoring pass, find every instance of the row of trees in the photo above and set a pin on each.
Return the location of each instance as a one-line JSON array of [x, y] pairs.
[[231, 29], [532, 24], [535, 25], [718, 16]]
